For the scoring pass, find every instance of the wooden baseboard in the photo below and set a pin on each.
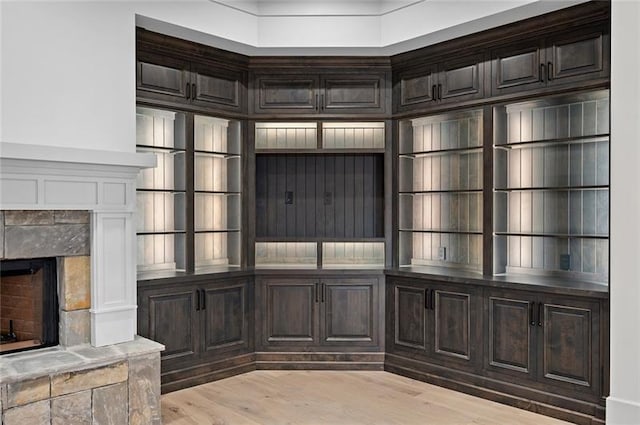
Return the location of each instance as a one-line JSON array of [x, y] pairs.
[[319, 361], [201, 374], [581, 412]]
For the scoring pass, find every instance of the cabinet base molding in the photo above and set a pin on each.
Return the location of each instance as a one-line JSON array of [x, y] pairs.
[[557, 406], [212, 371], [319, 361]]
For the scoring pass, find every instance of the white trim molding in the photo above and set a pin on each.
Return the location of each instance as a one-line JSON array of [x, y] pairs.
[[622, 412], [48, 178]]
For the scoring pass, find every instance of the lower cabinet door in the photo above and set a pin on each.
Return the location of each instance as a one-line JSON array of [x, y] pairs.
[[511, 330], [456, 326], [227, 316], [570, 344], [350, 312], [170, 317], [289, 312], [409, 309]]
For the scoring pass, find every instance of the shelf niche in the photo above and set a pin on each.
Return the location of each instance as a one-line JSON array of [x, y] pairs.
[[440, 191], [551, 178]]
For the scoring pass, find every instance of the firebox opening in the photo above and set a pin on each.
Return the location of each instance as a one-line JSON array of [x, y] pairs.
[[28, 304]]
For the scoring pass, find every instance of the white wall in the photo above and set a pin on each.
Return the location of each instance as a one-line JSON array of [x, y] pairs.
[[67, 76], [623, 405]]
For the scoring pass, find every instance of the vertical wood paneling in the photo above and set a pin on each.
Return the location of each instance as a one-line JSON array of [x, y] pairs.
[[353, 208]]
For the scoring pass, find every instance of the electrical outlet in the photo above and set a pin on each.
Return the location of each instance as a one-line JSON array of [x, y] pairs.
[[288, 198], [442, 253], [328, 198], [565, 262]]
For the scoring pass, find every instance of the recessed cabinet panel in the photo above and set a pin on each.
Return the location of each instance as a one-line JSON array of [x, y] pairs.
[[163, 79], [172, 322], [342, 93], [452, 324], [349, 312], [568, 344], [578, 58], [517, 68], [461, 80], [293, 94], [510, 334], [225, 317], [291, 313], [410, 317], [218, 87], [417, 87]]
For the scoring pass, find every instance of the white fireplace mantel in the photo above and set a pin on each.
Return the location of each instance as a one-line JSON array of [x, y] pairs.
[[34, 177]]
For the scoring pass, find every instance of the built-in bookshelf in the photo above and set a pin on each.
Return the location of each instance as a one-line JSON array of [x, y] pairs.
[[551, 203], [320, 194], [440, 177], [161, 191], [169, 238]]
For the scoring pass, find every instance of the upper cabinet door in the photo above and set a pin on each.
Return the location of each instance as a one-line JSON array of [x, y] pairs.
[[348, 93], [461, 79], [416, 88], [578, 56], [286, 94], [218, 88], [162, 78], [517, 68]]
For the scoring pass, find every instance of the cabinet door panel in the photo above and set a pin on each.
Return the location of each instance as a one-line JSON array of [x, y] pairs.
[[350, 94], [291, 312], [173, 321], [162, 78], [461, 80], [510, 335], [570, 344], [416, 87], [517, 68], [226, 317], [452, 324], [578, 58], [350, 312], [410, 317], [218, 88], [290, 94]]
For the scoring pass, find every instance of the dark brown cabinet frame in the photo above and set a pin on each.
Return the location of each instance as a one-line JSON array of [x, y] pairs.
[[459, 317]]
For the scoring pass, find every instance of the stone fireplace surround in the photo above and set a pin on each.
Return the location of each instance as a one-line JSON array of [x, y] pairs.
[[78, 205]]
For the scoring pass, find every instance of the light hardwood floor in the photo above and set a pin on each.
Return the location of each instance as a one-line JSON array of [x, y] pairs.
[[334, 398]]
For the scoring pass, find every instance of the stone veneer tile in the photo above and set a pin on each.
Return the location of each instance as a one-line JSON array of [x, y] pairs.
[[74, 409], [71, 217], [110, 405], [46, 241], [28, 217], [74, 327], [33, 414], [75, 285], [24, 392], [71, 382], [144, 390]]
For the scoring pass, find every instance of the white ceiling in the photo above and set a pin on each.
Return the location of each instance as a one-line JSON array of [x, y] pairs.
[[332, 27], [317, 8]]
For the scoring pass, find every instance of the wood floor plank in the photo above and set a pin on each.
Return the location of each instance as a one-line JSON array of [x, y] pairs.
[[334, 398]]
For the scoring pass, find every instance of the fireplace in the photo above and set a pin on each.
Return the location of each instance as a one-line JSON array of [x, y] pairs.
[[28, 304]]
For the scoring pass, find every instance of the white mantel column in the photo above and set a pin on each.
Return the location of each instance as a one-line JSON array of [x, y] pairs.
[[623, 404]]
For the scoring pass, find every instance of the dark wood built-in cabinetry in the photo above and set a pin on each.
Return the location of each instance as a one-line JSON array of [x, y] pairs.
[[319, 313], [441, 213]]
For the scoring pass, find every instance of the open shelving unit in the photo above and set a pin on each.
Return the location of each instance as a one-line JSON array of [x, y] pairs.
[[161, 191], [320, 194], [190, 203], [440, 191], [551, 178]]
